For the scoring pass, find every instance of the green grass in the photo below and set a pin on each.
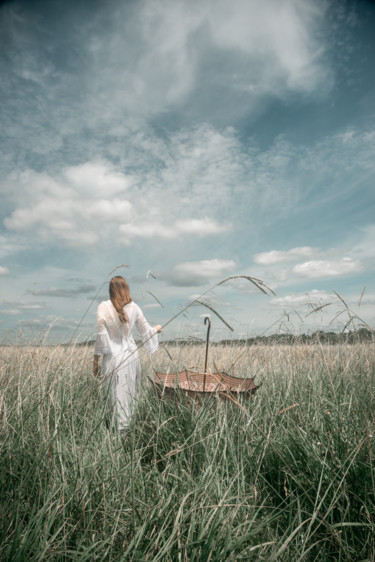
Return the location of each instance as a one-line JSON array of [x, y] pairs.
[[224, 481]]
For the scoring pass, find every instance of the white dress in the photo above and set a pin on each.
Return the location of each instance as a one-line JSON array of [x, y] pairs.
[[121, 363]]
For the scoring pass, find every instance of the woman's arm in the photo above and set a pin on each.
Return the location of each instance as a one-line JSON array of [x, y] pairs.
[[95, 366], [102, 342], [148, 334]]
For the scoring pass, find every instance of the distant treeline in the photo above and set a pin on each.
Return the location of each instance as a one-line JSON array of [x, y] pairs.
[[320, 336]]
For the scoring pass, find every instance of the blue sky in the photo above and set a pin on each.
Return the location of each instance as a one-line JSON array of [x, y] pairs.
[[195, 140]]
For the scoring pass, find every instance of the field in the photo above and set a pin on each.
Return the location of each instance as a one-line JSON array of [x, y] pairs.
[[287, 475]]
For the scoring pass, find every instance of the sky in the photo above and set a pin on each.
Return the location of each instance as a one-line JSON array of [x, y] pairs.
[[187, 142]]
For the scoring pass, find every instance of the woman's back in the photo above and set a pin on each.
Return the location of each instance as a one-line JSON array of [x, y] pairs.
[[112, 331], [116, 319]]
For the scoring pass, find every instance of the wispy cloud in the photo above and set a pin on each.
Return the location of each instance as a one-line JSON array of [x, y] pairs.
[[326, 268], [364, 248], [200, 174], [47, 324], [330, 262], [151, 305], [277, 256], [130, 62], [195, 227], [315, 297], [31, 307], [11, 312], [153, 56], [321, 309], [16, 308], [195, 273], [4, 271], [65, 293], [9, 246]]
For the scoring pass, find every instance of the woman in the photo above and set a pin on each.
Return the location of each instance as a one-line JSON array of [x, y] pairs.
[[116, 319]]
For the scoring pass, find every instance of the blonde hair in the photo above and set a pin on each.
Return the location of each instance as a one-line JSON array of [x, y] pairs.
[[119, 294]]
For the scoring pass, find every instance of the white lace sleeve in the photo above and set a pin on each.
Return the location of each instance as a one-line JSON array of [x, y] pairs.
[[148, 334], [102, 343]]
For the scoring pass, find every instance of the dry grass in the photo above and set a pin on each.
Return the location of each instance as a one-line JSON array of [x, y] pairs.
[[259, 360], [250, 361], [288, 475]]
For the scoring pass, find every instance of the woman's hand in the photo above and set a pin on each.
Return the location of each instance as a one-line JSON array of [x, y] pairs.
[[95, 366], [158, 328]]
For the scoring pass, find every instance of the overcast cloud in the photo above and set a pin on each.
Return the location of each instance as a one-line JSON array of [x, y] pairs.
[[194, 139]]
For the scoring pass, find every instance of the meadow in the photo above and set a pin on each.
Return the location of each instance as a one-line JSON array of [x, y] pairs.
[[287, 475]]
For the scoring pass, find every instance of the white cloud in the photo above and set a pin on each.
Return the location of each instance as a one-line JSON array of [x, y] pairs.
[[145, 229], [132, 74], [11, 312], [31, 306], [365, 249], [276, 256], [140, 60], [211, 300], [65, 293], [326, 268], [97, 179], [315, 297], [278, 34], [200, 227], [195, 273], [201, 175], [51, 322], [331, 262], [22, 306], [205, 268], [4, 271], [34, 322], [9, 246], [70, 208], [320, 309], [149, 229], [367, 299], [115, 210], [189, 175], [153, 58]]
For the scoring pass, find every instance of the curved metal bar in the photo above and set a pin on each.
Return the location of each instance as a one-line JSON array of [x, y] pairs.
[[206, 321]]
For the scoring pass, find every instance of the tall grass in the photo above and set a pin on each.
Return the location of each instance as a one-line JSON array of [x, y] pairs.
[[288, 475]]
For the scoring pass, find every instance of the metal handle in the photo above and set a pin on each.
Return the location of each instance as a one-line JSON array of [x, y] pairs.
[[206, 321]]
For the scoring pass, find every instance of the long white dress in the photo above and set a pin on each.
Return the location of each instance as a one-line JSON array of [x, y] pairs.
[[121, 365]]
